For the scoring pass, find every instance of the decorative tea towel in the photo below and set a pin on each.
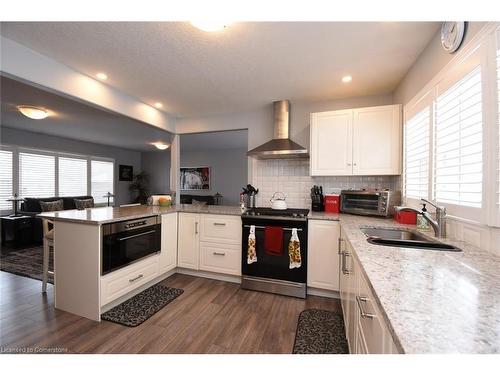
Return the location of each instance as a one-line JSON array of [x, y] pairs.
[[294, 250], [251, 252], [273, 240]]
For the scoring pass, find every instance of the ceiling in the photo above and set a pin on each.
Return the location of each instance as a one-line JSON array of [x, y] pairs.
[[246, 66], [74, 120], [214, 140]]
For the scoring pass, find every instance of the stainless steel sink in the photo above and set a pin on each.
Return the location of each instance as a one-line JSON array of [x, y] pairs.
[[404, 238]]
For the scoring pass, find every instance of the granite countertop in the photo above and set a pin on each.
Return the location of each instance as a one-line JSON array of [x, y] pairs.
[[104, 215], [432, 301]]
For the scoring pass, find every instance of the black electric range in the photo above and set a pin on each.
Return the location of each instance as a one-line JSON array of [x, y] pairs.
[[271, 273]]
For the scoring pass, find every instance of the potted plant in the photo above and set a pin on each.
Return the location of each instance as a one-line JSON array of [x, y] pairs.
[[140, 186]]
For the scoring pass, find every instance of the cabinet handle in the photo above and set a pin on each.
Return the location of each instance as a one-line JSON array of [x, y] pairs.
[[345, 271], [355, 164], [135, 278], [217, 253], [362, 312], [196, 227], [349, 164], [340, 246], [223, 224]]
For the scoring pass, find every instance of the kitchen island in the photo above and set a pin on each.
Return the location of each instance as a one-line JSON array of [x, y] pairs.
[[79, 283]]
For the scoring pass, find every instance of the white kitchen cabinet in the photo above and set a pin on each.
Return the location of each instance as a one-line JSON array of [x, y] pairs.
[[168, 256], [362, 141], [366, 331], [322, 253], [127, 279], [351, 270], [343, 279], [220, 229], [377, 145], [331, 143], [221, 258], [188, 248]]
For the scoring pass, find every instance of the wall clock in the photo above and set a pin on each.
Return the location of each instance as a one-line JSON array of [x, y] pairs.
[[452, 35]]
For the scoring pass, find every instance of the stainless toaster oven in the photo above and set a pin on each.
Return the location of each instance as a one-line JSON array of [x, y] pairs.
[[369, 202]]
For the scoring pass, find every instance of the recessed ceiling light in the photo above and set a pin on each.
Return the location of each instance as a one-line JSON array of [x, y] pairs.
[[158, 105], [210, 25], [102, 76], [346, 79], [34, 113], [160, 145]]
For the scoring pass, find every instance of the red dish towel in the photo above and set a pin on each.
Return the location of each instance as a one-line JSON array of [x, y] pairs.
[[273, 240]]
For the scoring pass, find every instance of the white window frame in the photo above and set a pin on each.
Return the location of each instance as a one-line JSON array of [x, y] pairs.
[[483, 47], [15, 163], [422, 102], [16, 149]]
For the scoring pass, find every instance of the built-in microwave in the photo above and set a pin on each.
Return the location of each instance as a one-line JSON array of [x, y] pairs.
[[369, 202], [129, 241]]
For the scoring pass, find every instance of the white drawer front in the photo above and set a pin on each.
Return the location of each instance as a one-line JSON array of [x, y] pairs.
[[373, 327], [220, 258], [221, 229], [118, 283]]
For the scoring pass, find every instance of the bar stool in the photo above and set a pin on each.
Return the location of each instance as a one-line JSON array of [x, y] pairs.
[[48, 242]]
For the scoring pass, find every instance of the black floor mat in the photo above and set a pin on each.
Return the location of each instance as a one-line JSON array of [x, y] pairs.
[[320, 332]]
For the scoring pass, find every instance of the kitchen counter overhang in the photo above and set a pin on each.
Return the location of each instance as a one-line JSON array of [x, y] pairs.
[[105, 215]]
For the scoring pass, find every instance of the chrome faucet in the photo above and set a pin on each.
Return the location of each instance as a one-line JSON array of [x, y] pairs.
[[439, 225]]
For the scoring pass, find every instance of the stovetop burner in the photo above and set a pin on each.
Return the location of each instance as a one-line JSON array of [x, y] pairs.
[[289, 212]]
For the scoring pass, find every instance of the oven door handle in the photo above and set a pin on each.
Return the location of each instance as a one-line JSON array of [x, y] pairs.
[[136, 235]]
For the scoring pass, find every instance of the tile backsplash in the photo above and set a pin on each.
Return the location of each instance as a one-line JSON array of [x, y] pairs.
[[292, 178]]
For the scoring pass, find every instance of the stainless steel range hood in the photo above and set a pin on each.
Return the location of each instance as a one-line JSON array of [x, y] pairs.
[[281, 146]]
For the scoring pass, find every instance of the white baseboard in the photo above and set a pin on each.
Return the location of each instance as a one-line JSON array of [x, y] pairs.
[[207, 275], [210, 275], [323, 293]]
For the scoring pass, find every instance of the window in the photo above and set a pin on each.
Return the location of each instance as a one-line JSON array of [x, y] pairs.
[[458, 147], [102, 180], [5, 179], [37, 175], [72, 177], [417, 131]]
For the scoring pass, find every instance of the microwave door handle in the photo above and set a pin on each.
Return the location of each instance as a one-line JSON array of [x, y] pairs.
[[136, 235]]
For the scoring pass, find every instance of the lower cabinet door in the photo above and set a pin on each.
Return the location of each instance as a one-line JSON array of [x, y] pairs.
[[360, 343], [220, 258], [188, 241], [168, 256], [322, 254]]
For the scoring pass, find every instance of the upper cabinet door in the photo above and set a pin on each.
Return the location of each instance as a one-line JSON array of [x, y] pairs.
[[377, 140], [331, 143]]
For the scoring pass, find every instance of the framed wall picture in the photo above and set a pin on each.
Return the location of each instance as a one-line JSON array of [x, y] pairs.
[[195, 178], [126, 173]]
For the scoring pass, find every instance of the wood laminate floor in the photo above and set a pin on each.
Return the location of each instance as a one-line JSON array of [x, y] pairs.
[[209, 317]]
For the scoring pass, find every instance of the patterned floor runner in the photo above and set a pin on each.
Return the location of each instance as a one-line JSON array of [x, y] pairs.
[[320, 332]]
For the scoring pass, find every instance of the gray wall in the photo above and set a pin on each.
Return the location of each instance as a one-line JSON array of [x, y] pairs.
[[157, 165], [260, 121], [48, 142], [228, 172], [432, 59]]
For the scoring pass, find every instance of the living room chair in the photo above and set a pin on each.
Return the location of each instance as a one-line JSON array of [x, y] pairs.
[[48, 242]]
